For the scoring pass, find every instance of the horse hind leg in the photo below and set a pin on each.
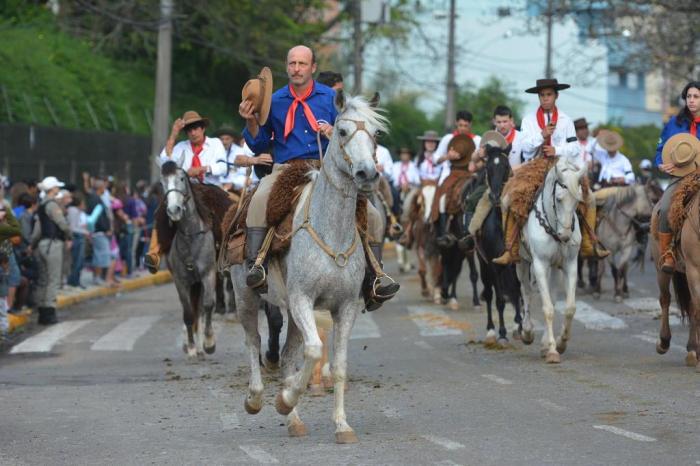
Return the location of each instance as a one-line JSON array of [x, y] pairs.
[[209, 303], [502, 331], [474, 279], [275, 322], [569, 311], [664, 283], [343, 322], [528, 329], [548, 351]]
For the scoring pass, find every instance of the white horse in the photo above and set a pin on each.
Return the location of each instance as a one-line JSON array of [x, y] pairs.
[[552, 239], [323, 269]]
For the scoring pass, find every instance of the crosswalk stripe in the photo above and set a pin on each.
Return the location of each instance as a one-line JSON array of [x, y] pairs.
[[43, 342], [123, 337], [365, 327], [432, 321], [592, 318], [258, 454]]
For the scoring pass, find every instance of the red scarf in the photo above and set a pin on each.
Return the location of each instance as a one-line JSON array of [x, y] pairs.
[[694, 126], [289, 122], [196, 162], [457, 133], [403, 175], [510, 136], [542, 123]]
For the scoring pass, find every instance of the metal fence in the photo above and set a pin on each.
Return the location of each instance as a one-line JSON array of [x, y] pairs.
[[29, 151]]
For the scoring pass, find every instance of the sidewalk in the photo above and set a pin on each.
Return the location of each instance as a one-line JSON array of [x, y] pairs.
[[69, 296]]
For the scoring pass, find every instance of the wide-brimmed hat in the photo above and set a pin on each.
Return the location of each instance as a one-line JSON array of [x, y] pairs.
[[226, 130], [547, 83], [683, 151], [49, 183], [493, 138], [190, 117], [610, 140], [465, 146], [580, 123], [259, 91], [429, 135]]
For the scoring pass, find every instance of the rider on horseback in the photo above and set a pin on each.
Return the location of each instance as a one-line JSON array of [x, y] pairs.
[[301, 117], [549, 133]]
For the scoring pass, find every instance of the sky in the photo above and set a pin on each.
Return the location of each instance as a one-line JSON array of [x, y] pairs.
[[493, 46]]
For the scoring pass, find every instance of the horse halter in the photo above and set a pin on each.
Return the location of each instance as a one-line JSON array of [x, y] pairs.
[[186, 195], [359, 126]]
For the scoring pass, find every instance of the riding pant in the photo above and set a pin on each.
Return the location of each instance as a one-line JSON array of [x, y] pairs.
[[665, 205]]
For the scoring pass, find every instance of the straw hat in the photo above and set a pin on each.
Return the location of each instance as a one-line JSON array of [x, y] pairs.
[[191, 117], [547, 84], [493, 138], [465, 146], [683, 151], [259, 91], [610, 140]]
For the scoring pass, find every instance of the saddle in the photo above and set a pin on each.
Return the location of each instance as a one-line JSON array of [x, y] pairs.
[[452, 189]]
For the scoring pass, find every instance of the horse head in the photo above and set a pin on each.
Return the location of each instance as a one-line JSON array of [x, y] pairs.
[[497, 170], [566, 194], [177, 189], [643, 202], [353, 144]]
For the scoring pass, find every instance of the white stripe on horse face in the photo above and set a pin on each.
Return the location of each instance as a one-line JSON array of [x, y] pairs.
[[174, 197]]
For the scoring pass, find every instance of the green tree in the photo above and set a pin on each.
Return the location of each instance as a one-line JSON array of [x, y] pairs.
[[407, 122]]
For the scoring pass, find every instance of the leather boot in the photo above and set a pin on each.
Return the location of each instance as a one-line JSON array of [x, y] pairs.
[[376, 296], [152, 258], [47, 316], [512, 237], [444, 239], [668, 260], [257, 275], [467, 243], [589, 243]]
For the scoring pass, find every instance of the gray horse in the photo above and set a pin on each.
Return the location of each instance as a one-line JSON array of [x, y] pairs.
[[191, 260], [323, 269]]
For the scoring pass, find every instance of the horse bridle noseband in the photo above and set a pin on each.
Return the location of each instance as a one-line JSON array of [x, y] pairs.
[[544, 220], [185, 195]]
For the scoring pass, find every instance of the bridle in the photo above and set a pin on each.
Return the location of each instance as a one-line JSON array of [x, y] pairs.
[[542, 217]]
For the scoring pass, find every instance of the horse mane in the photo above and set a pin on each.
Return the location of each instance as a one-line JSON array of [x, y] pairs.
[[373, 115], [623, 195]]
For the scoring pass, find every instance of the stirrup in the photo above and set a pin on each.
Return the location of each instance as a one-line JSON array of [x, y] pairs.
[[390, 289], [668, 268], [250, 277]]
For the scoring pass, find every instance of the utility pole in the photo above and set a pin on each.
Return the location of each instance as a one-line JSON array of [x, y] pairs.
[[161, 110], [548, 61], [451, 87], [357, 46]]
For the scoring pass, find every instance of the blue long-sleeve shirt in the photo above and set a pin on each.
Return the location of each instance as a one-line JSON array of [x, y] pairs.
[[301, 142], [672, 128]]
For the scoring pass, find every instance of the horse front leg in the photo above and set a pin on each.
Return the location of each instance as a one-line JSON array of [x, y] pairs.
[[209, 302], [664, 282], [599, 273], [618, 283], [490, 340], [342, 325], [474, 279], [274, 325], [248, 313], [422, 272], [542, 275], [528, 329], [570, 309], [693, 282]]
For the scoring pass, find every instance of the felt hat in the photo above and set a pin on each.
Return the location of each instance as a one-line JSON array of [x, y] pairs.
[[191, 117], [429, 135], [259, 91], [609, 140], [580, 123], [465, 146], [226, 130], [493, 138], [547, 84], [683, 151]]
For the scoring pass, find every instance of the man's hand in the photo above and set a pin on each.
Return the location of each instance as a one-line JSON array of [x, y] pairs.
[[263, 159], [667, 168], [247, 110], [194, 172], [326, 130], [548, 130], [177, 127], [549, 151]]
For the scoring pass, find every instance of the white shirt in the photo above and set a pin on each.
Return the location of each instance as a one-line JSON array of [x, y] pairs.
[[427, 170], [409, 169], [563, 139], [442, 150], [236, 175], [515, 157], [587, 148], [618, 166], [213, 150], [385, 161]]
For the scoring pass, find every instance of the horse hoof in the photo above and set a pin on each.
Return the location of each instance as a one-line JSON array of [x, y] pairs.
[[200, 356], [425, 293], [250, 409], [528, 336], [490, 340], [346, 437], [625, 294], [297, 429], [453, 305], [618, 299], [502, 343], [271, 366], [281, 406], [691, 359], [210, 349], [660, 348], [552, 358], [517, 336], [316, 390], [561, 347]]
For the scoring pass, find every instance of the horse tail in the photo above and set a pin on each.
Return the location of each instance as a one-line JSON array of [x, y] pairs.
[[682, 291]]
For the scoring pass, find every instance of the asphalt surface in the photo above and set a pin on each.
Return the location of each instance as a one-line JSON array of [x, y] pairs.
[[111, 385]]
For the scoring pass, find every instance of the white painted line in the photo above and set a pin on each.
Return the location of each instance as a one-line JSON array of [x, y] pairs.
[[443, 442], [365, 327], [428, 321], [625, 433], [592, 318], [423, 344], [550, 405], [229, 421], [446, 463], [258, 454], [391, 413], [43, 342], [649, 305], [654, 339], [497, 379], [123, 337]]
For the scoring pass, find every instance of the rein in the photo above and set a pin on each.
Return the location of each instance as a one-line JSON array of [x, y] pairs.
[[542, 216]]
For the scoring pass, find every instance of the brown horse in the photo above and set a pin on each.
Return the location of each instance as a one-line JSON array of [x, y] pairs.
[[686, 281]]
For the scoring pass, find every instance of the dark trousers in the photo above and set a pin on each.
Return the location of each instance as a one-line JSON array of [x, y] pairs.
[[77, 253]]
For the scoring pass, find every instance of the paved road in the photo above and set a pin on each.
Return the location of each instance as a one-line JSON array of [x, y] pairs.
[[110, 385]]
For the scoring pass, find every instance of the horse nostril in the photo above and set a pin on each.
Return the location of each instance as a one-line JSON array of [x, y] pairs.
[[361, 174]]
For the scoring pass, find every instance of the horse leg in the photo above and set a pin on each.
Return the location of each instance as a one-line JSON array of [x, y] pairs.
[[528, 329], [274, 325], [579, 272], [422, 272], [342, 324], [501, 306], [474, 278], [436, 266], [490, 340], [231, 313], [209, 302], [664, 281], [618, 283], [249, 321], [625, 290], [593, 273], [190, 318], [542, 275], [570, 308], [693, 281], [600, 272], [301, 308]]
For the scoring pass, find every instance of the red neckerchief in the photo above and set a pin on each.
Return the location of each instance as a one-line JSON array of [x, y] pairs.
[[403, 175], [289, 122], [510, 136], [542, 124], [457, 133], [196, 162], [694, 126], [429, 160]]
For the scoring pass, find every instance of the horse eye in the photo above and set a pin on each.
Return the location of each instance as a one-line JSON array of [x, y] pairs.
[[343, 133]]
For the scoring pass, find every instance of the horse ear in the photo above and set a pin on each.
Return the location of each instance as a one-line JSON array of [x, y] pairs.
[[340, 100], [374, 102]]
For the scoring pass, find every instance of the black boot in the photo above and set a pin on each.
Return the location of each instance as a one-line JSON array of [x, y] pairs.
[[375, 296], [257, 275], [47, 316], [444, 239], [466, 243]]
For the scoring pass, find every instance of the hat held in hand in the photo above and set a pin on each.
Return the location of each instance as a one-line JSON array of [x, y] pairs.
[[259, 91]]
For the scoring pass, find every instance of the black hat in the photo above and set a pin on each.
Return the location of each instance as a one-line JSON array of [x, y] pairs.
[[580, 123], [226, 130], [547, 84]]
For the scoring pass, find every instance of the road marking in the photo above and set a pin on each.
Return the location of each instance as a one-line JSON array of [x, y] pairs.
[[229, 421], [391, 413], [433, 322], [43, 342], [497, 379], [123, 337], [653, 339], [443, 442], [625, 433], [550, 405], [423, 344], [258, 454], [592, 318], [649, 304], [446, 463], [365, 327]]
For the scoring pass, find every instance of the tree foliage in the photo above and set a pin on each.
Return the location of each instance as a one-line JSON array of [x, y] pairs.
[[407, 122]]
